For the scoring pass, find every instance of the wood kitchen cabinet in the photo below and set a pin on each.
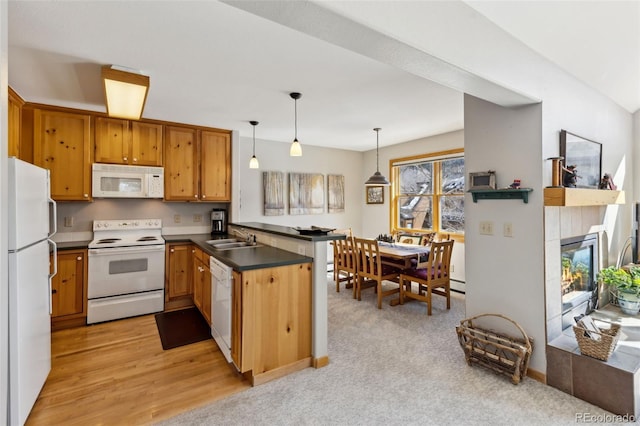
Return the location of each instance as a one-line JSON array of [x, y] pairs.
[[202, 283], [62, 144], [69, 290], [14, 123], [128, 142], [197, 165], [178, 291], [271, 321]]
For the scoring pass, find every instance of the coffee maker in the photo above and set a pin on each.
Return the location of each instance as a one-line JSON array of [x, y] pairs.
[[218, 221]]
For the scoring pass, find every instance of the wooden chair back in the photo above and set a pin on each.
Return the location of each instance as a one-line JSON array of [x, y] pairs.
[[370, 271], [367, 255], [344, 261], [438, 261]]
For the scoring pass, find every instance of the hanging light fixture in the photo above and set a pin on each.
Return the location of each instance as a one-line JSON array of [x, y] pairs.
[[377, 178], [125, 91], [296, 148], [253, 163]]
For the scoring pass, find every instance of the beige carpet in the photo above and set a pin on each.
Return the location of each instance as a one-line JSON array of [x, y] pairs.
[[393, 366]]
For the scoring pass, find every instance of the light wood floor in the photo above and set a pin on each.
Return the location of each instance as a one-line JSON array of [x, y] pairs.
[[118, 373]]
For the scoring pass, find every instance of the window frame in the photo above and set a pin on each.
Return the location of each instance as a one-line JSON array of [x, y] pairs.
[[435, 157]]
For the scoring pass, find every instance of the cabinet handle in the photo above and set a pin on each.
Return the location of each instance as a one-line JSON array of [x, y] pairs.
[[79, 258], [135, 160], [173, 250], [196, 195], [85, 195], [54, 291], [204, 196], [124, 158]]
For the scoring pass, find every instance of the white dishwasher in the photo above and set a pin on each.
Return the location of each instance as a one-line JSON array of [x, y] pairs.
[[221, 276]]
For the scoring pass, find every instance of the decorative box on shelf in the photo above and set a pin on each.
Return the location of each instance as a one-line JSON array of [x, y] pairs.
[[581, 197], [501, 194]]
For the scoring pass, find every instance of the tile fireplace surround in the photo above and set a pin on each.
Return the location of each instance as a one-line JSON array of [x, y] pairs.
[[613, 385]]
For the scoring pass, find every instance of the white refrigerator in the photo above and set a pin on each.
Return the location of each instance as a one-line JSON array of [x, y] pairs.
[[32, 221]]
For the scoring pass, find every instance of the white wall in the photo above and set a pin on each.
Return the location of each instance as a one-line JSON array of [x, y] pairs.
[[274, 156], [4, 287], [505, 275]]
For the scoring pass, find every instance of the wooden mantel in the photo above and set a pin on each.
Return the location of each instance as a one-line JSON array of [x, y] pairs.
[[581, 197]]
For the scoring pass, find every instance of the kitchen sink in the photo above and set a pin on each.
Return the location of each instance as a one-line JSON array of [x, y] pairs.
[[230, 244]]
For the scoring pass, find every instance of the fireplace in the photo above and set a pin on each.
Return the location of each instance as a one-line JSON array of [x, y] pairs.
[[579, 268]]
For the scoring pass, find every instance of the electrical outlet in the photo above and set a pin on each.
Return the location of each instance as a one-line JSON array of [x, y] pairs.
[[68, 221], [508, 229], [197, 218], [486, 228], [176, 218]]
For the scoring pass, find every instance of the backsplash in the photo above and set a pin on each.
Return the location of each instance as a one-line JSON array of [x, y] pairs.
[[75, 219]]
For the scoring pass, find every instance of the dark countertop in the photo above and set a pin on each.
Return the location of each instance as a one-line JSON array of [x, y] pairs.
[[287, 231], [244, 259], [72, 245]]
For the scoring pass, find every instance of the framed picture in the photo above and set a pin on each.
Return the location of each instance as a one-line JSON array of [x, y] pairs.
[[375, 194], [582, 161], [482, 180]]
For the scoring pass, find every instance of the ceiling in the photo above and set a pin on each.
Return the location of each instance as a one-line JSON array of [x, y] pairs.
[[215, 65]]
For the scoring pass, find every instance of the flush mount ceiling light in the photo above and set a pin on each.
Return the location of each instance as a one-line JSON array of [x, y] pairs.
[[253, 163], [377, 178], [125, 91], [296, 148]]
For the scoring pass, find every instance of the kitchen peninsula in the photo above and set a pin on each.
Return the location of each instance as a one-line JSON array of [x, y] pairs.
[[314, 246]]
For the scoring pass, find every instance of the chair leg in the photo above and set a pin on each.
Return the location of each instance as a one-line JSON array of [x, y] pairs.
[[429, 300], [379, 290], [401, 296], [355, 286], [336, 277], [448, 291]]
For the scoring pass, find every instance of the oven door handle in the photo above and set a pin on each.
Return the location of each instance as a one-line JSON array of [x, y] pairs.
[[120, 250]]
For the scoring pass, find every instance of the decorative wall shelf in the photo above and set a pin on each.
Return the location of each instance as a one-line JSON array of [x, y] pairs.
[[567, 197], [501, 194]]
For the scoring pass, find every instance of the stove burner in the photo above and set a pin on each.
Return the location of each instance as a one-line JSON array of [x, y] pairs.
[[147, 239], [108, 240]]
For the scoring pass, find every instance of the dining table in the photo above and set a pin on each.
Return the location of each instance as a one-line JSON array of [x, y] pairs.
[[400, 255]]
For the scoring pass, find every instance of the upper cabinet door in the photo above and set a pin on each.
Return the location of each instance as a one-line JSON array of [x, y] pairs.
[[62, 144], [146, 144], [181, 164], [15, 121], [215, 173], [112, 141]]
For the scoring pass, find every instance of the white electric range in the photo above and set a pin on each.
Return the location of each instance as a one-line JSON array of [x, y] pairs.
[[126, 269]]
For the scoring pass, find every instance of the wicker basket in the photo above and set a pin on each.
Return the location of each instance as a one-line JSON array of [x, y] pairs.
[[498, 352], [599, 349]]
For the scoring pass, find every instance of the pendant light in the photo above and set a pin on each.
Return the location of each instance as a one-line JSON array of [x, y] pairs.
[[296, 148], [253, 163], [377, 179]]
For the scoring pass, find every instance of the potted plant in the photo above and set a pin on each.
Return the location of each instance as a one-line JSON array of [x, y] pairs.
[[625, 284]]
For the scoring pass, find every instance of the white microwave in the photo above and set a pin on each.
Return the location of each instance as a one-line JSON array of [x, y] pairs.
[[120, 181]]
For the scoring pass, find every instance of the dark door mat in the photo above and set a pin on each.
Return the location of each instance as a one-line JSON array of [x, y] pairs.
[[183, 327]]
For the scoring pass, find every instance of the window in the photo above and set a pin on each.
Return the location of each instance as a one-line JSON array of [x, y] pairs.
[[428, 193]]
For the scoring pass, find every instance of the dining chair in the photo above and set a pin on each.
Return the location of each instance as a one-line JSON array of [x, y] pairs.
[[371, 272], [432, 276], [344, 263], [347, 232]]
